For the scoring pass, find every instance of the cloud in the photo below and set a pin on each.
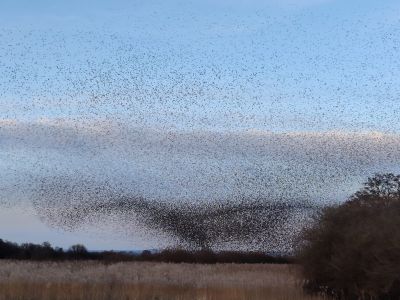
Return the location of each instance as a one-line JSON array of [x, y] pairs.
[[173, 164]]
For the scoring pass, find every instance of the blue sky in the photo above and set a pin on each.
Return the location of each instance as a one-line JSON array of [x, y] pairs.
[[273, 65], [207, 93]]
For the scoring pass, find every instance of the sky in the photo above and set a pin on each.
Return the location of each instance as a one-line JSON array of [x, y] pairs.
[[192, 101]]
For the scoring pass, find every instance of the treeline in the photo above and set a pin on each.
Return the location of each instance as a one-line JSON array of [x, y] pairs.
[[352, 250], [45, 251], [29, 251]]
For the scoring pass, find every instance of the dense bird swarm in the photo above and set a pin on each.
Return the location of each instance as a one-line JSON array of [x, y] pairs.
[[206, 132], [251, 223]]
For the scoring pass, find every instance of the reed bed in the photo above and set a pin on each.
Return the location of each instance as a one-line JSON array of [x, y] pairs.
[[144, 280]]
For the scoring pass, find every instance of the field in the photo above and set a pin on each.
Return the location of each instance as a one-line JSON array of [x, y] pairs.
[[144, 280]]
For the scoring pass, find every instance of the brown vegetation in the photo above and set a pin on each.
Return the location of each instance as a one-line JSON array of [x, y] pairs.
[[353, 250], [144, 280]]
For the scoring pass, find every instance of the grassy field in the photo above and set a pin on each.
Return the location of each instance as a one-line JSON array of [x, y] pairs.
[[141, 280]]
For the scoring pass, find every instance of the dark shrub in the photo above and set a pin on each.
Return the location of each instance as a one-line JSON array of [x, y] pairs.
[[78, 251], [352, 251], [9, 250]]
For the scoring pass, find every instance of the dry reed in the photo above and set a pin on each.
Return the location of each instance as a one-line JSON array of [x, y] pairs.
[[142, 280]]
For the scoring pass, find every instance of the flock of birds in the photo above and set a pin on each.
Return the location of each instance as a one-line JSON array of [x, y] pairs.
[[81, 104], [239, 223]]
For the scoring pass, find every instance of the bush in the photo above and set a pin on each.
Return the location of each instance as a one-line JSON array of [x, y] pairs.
[[352, 251], [78, 251]]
